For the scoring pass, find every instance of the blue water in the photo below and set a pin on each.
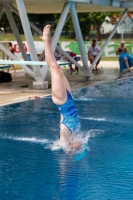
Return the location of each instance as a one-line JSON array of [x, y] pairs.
[[30, 170]]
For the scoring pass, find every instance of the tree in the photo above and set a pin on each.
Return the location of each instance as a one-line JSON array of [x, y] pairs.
[[83, 21], [4, 23], [97, 18], [40, 20], [88, 19]]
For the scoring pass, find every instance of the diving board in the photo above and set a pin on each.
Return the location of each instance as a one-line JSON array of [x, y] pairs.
[[19, 62], [5, 67]]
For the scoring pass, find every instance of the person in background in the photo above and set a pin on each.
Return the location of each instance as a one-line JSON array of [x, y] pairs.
[[93, 51], [57, 54], [125, 59], [73, 55], [87, 38], [11, 49]]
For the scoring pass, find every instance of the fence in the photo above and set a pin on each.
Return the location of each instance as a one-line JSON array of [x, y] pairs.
[[108, 52], [69, 46]]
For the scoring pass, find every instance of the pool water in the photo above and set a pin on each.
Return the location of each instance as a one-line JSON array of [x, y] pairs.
[[30, 170]]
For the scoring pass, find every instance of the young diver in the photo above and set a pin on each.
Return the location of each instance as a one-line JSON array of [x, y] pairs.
[[61, 96]]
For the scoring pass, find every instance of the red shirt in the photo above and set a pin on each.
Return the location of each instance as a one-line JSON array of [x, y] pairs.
[[72, 54]]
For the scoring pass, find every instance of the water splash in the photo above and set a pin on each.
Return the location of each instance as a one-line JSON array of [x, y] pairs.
[[55, 145], [80, 153]]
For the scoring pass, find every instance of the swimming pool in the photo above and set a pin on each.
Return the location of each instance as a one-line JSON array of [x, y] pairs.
[[29, 169]]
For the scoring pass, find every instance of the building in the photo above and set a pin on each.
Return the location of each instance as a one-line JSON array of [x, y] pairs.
[[109, 24]]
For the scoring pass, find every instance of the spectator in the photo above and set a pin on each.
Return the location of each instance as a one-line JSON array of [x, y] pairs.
[[11, 49], [57, 54], [73, 55], [87, 38], [93, 51], [125, 59]]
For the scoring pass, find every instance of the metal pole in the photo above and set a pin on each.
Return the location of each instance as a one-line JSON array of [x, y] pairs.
[[15, 31], [57, 47], [69, 58], [68, 17], [109, 38], [28, 35], [31, 24], [79, 35], [60, 25], [34, 27]]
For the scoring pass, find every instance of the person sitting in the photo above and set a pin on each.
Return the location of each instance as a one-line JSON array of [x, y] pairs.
[[57, 54], [11, 49], [125, 59], [74, 56], [93, 51]]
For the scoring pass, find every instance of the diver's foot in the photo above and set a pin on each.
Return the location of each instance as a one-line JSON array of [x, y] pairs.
[[46, 33]]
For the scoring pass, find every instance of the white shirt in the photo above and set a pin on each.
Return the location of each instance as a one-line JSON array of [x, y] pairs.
[[94, 50]]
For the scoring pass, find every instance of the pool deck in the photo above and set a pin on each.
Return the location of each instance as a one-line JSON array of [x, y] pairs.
[[21, 88]]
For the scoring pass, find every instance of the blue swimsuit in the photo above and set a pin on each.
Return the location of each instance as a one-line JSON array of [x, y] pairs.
[[70, 115]]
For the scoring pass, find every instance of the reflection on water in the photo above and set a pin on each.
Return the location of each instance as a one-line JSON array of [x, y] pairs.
[[32, 168]]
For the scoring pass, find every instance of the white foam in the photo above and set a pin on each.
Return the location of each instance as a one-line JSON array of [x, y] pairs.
[[25, 139], [32, 139], [84, 99], [93, 118], [54, 146], [111, 120]]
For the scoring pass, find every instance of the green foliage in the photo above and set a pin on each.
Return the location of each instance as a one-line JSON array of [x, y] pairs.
[[6, 25], [97, 18], [88, 19], [40, 20], [83, 21]]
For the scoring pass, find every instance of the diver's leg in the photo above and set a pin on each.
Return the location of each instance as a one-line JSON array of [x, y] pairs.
[[59, 81], [59, 86]]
